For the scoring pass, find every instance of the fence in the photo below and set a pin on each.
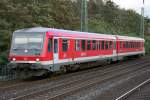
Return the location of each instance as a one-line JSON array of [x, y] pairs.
[[6, 74]]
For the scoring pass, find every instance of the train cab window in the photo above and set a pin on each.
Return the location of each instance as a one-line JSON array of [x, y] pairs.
[[49, 45], [88, 45], [102, 46], [64, 45], [77, 45], [94, 45], [83, 45]]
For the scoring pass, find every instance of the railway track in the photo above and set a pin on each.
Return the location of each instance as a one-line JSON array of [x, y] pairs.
[[68, 86], [79, 86], [10, 84], [129, 93]]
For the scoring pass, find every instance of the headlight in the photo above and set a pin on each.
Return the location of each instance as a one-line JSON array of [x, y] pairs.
[[37, 59], [14, 59]]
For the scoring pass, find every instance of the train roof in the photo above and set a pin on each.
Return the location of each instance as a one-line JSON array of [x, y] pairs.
[[69, 33], [124, 38]]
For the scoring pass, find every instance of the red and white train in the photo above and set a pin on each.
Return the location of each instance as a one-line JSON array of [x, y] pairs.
[[46, 49]]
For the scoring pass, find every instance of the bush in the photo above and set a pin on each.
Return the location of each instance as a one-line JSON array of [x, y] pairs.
[[4, 58], [147, 44]]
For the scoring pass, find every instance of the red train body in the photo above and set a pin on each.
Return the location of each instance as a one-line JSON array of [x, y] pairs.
[[53, 49]]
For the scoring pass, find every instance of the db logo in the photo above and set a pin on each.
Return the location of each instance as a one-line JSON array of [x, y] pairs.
[[65, 55], [83, 54], [25, 59]]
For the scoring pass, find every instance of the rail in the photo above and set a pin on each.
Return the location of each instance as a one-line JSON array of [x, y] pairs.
[[123, 96]]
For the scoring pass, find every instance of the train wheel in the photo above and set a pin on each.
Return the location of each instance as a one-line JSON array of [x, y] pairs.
[[109, 61], [63, 69]]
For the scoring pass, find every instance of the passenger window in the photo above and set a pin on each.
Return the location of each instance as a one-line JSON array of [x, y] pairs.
[[114, 44], [106, 45], [49, 45], [99, 45], [77, 45], [120, 44], [64, 45], [89, 45], [128, 44], [83, 45], [131, 45], [102, 45], [110, 44], [125, 44], [94, 44]]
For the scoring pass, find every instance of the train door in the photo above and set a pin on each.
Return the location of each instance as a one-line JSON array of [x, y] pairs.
[[56, 43], [115, 51]]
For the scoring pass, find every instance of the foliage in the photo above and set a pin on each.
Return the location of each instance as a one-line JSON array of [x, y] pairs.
[[147, 44], [103, 18]]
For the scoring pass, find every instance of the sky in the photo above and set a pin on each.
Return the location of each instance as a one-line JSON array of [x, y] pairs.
[[135, 5]]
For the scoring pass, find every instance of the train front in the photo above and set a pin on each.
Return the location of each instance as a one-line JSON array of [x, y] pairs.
[[27, 52]]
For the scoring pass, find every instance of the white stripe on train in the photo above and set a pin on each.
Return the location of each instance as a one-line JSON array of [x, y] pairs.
[[81, 59]]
